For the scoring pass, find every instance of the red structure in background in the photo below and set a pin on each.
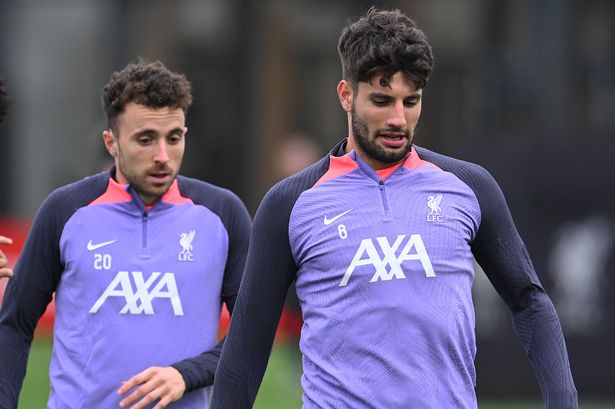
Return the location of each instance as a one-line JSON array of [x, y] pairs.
[[289, 327]]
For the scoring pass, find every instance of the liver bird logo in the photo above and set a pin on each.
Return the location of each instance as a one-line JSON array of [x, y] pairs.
[[434, 204], [185, 240]]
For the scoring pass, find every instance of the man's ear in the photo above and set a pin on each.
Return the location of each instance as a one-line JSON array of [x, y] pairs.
[[110, 142], [344, 92]]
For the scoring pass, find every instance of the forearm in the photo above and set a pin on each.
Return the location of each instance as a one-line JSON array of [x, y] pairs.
[[14, 348], [199, 371], [19, 314], [25, 300], [269, 272], [248, 344], [535, 322], [539, 331], [27, 295]]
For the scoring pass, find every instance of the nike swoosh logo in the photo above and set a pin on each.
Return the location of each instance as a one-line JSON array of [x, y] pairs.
[[328, 221], [99, 245]]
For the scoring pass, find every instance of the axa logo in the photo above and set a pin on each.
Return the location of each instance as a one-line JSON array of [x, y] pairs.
[[185, 240], [394, 255], [140, 292], [433, 202]]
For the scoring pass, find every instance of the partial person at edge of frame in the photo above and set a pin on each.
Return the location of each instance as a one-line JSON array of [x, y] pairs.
[[5, 270]]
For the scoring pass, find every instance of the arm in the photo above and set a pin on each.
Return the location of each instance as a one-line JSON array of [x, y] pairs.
[[171, 383], [503, 256], [27, 295], [270, 269], [5, 271]]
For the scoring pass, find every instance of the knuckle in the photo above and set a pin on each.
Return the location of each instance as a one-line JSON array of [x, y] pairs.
[[149, 398], [163, 403], [141, 391]]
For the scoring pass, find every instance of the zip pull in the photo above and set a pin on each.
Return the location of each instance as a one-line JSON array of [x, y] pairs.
[[385, 199], [144, 229]]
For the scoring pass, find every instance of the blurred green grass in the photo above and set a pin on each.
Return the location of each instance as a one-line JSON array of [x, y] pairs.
[[280, 388]]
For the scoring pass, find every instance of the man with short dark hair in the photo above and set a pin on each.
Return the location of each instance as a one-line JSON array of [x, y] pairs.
[[140, 260], [380, 237]]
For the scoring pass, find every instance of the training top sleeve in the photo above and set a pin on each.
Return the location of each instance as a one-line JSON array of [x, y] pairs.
[[501, 253], [270, 270], [199, 371], [37, 274]]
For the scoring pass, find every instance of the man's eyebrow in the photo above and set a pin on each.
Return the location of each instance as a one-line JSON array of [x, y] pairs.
[[145, 132], [377, 94], [153, 132], [177, 130]]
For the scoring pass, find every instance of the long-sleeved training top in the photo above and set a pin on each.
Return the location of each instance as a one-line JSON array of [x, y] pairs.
[[133, 287], [384, 271]]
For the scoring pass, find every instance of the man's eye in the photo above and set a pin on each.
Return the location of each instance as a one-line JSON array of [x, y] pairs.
[[144, 141], [174, 139], [380, 102], [411, 102]]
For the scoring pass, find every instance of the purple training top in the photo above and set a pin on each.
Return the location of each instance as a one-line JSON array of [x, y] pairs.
[[384, 279], [134, 288], [384, 271]]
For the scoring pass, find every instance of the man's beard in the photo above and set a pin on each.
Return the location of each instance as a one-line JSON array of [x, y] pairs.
[[150, 192], [360, 131]]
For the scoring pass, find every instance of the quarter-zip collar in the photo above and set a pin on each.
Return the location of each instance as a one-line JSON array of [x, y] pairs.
[[371, 172], [121, 193]]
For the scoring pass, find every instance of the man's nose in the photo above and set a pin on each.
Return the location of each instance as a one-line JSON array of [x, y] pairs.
[[397, 117], [162, 155]]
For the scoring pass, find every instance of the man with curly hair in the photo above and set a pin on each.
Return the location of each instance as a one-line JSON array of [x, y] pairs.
[[140, 260], [5, 270], [379, 237]]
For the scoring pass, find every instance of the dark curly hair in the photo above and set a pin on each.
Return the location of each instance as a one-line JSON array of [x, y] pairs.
[[4, 101], [146, 83], [384, 42]]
